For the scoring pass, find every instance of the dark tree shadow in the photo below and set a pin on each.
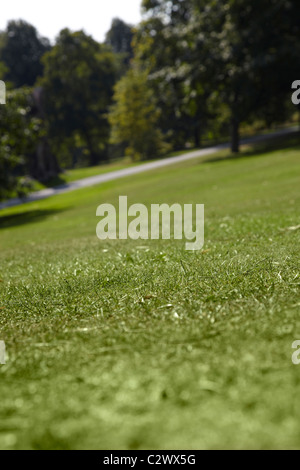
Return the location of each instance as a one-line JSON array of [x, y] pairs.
[[255, 149], [23, 218]]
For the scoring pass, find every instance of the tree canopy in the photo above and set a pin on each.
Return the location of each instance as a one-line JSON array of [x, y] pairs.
[[191, 70], [78, 85], [20, 131], [21, 50], [213, 53], [119, 38], [134, 117]]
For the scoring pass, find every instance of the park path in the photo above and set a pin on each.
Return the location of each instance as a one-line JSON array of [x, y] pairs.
[[114, 175]]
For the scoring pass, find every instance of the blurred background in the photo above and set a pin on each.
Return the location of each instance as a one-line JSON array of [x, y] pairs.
[[188, 74]]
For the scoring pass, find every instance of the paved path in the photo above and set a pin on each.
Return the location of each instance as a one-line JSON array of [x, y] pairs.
[[114, 175]]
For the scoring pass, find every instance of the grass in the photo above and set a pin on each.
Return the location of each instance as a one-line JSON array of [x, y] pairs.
[[139, 345], [68, 176]]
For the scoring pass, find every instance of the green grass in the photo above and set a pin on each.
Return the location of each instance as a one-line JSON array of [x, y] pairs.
[[140, 344], [71, 175], [80, 173], [68, 176]]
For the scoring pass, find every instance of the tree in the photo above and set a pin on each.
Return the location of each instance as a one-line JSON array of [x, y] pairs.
[[258, 58], [119, 38], [234, 53], [134, 117], [78, 87], [21, 50], [165, 46], [20, 132]]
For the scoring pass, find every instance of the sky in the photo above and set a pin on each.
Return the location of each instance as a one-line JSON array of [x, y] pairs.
[[49, 17]]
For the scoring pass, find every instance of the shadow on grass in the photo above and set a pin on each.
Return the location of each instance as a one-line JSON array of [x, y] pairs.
[[29, 217], [255, 149]]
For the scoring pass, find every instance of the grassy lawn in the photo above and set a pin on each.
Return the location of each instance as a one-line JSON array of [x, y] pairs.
[[80, 173], [141, 344], [69, 176]]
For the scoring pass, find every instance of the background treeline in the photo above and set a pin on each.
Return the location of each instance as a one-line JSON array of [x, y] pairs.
[[190, 72]]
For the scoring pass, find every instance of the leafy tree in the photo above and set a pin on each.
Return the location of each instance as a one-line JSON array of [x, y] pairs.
[[119, 38], [20, 131], [234, 53], [21, 50], [3, 68], [165, 46], [78, 87], [257, 59], [134, 117]]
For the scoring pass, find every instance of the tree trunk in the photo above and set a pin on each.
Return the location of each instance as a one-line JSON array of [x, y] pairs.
[[93, 156], [235, 135], [197, 136]]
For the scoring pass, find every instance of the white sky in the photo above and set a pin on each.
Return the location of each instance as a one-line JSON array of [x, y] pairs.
[[51, 16]]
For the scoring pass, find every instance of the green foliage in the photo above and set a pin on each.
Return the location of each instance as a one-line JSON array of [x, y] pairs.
[[203, 55], [78, 86], [254, 67], [165, 44], [3, 71], [134, 117], [21, 50], [195, 69], [19, 134], [119, 38]]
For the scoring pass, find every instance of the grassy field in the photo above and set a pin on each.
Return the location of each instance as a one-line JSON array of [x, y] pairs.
[[139, 345], [69, 176]]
